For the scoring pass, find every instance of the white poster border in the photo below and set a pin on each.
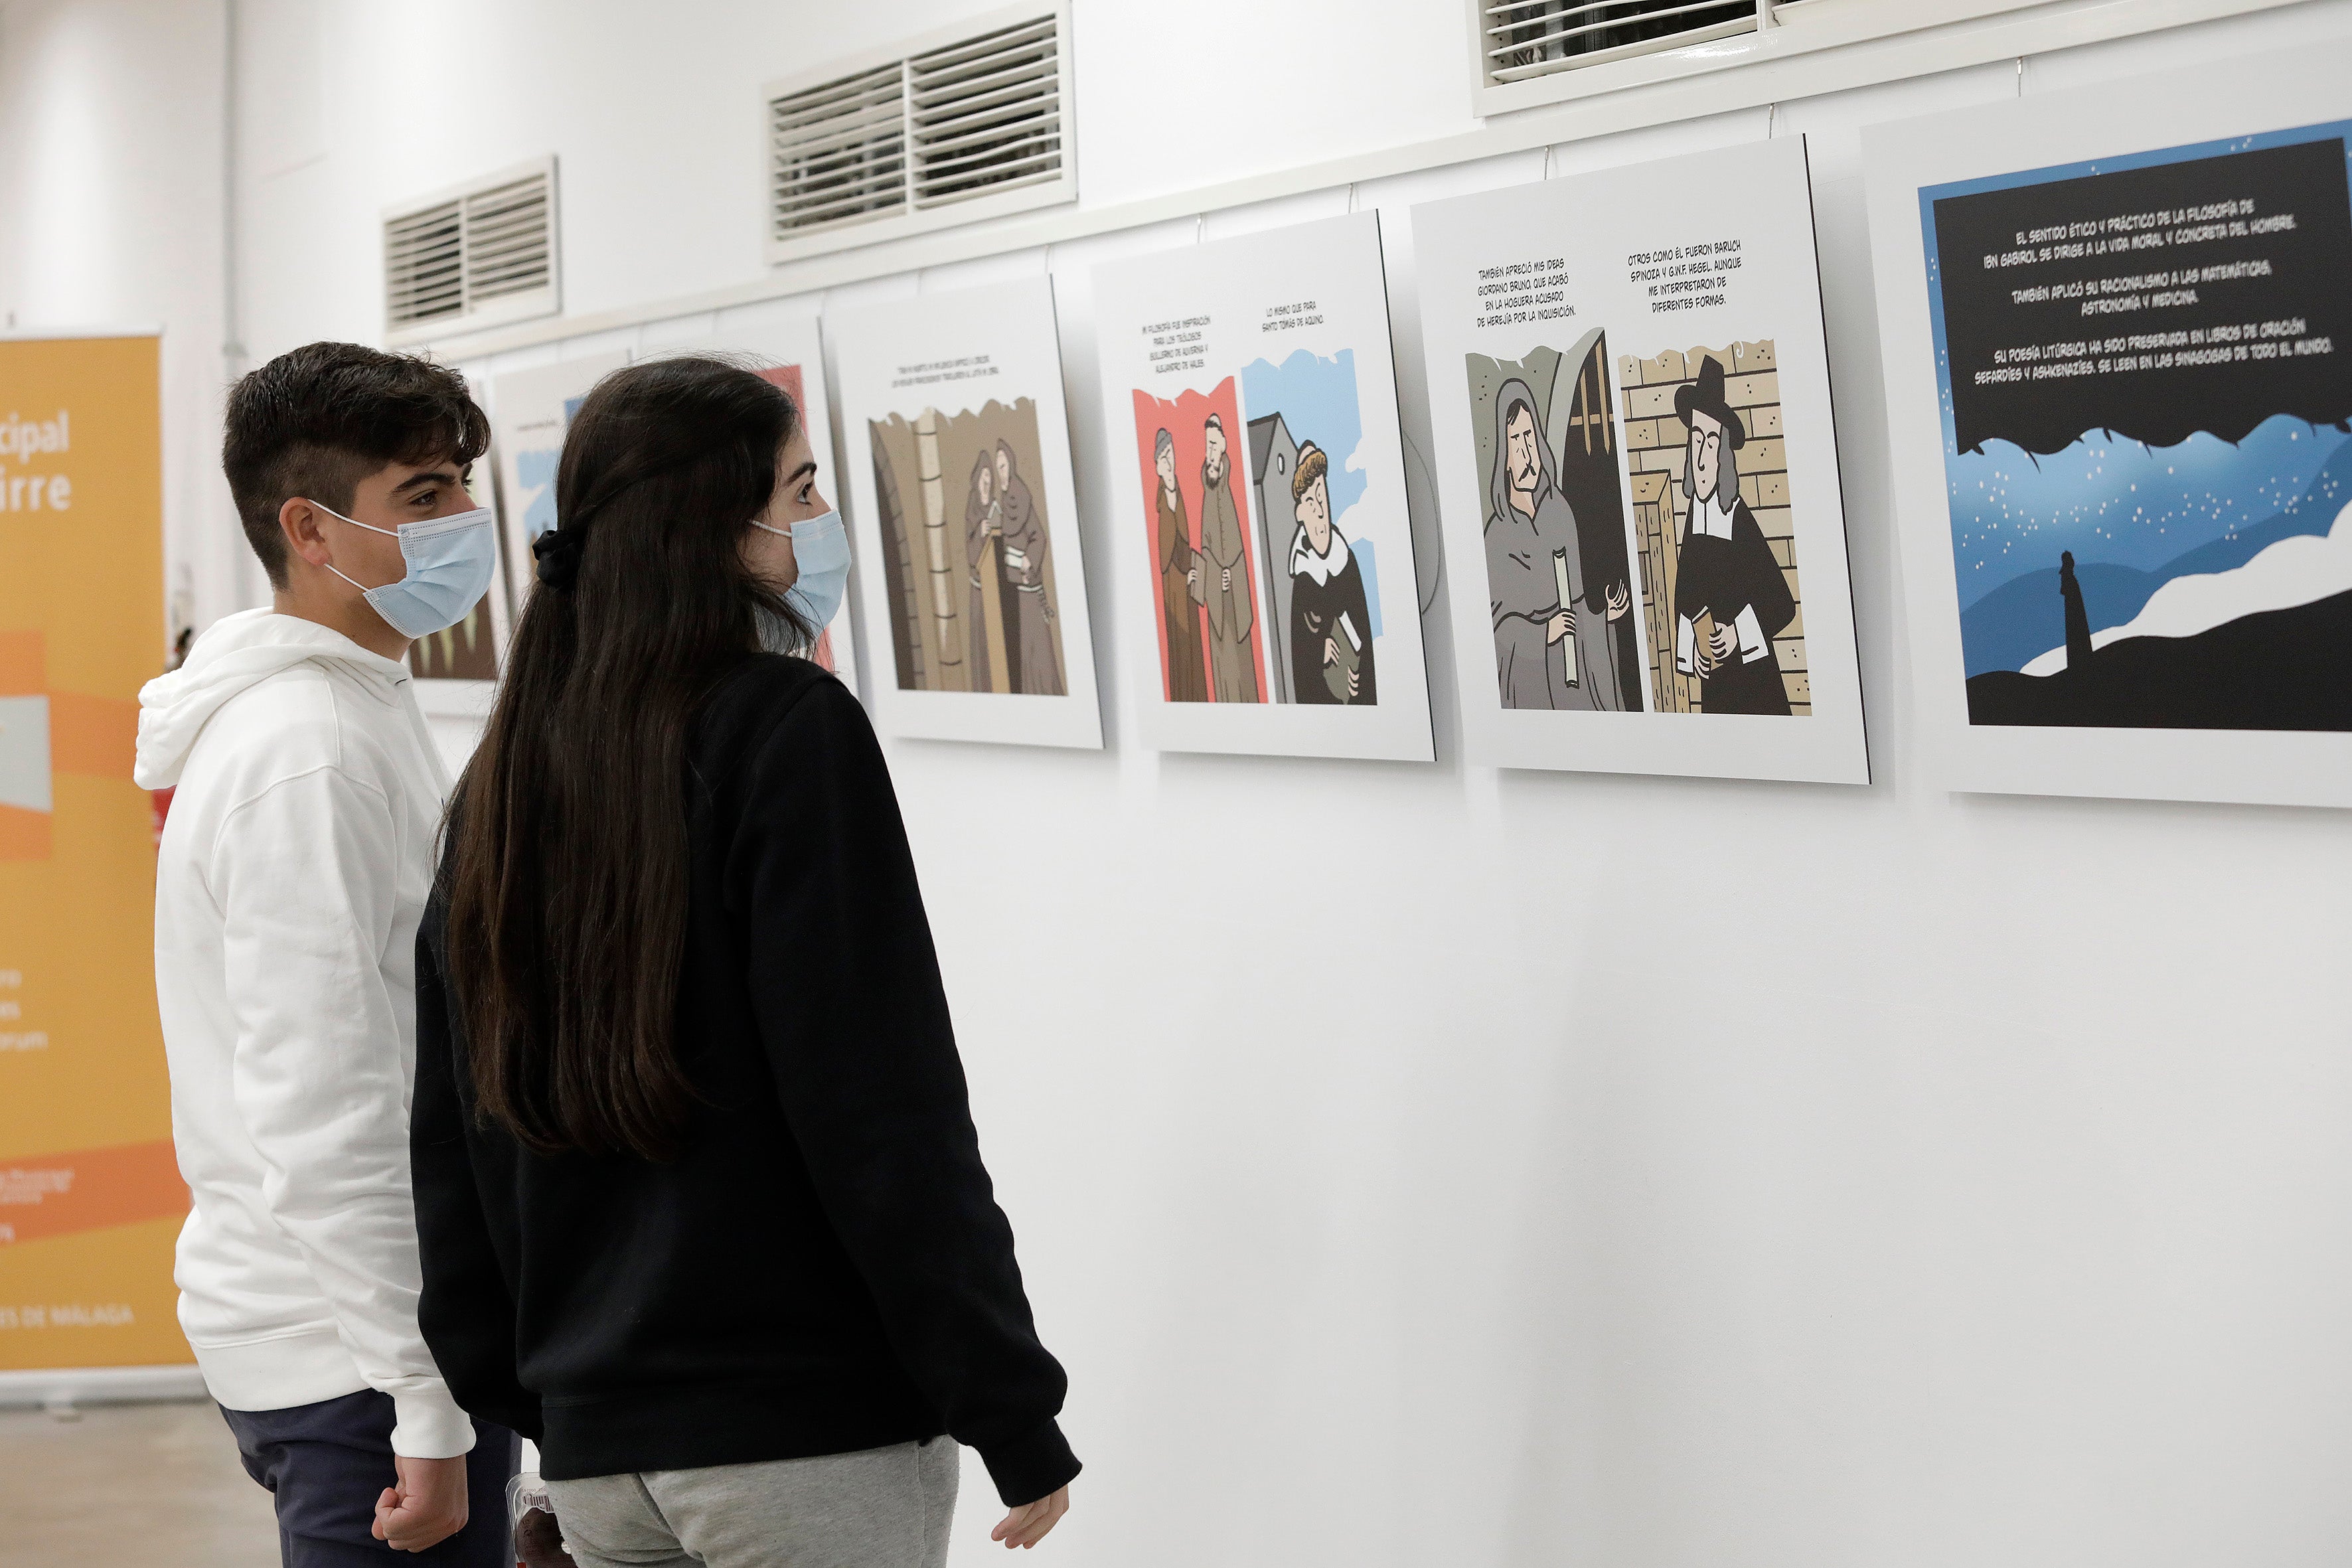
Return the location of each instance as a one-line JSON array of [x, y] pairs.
[[2209, 103], [1761, 192], [1237, 283], [1013, 325]]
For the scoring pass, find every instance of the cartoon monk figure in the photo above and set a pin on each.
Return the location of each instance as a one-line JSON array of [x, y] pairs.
[[983, 522], [1546, 653], [1031, 650], [1188, 680], [1221, 579]]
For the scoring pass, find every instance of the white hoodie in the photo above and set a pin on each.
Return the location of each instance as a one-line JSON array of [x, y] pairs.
[[294, 869]]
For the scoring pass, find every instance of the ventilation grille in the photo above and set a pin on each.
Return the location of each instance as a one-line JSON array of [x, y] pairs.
[[1528, 38], [481, 256], [987, 116], [424, 266], [901, 142], [510, 238], [838, 153]]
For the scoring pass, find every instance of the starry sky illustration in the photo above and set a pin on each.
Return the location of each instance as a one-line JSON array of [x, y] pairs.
[[2108, 498]]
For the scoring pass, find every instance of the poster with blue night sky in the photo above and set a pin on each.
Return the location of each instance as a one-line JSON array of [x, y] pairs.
[[2144, 368]]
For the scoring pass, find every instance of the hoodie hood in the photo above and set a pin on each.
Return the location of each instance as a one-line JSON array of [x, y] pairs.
[[237, 652], [1507, 397]]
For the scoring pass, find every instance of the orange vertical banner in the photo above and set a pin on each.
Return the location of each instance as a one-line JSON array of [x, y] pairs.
[[90, 1199]]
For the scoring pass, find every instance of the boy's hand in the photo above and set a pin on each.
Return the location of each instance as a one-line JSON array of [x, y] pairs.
[[425, 1507]]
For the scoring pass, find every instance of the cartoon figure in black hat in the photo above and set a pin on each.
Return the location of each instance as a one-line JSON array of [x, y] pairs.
[[1730, 596]]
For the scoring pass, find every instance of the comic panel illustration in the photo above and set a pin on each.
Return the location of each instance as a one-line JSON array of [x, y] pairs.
[[965, 551], [2145, 435], [1559, 577], [1206, 564], [1620, 471], [1323, 595], [1713, 523]]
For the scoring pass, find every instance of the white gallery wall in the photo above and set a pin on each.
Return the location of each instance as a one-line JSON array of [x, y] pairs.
[[111, 173], [1426, 1164]]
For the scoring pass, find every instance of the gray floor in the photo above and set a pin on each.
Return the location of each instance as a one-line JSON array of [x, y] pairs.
[[129, 1484]]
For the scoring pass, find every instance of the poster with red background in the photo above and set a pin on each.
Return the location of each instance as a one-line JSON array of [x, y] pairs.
[[1185, 418]]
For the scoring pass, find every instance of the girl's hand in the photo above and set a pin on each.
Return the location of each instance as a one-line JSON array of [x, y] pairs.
[[1027, 1525]]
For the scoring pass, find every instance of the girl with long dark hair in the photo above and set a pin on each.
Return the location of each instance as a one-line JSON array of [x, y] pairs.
[[700, 1203]]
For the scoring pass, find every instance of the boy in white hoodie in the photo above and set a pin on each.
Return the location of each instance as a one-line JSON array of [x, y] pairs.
[[295, 864]]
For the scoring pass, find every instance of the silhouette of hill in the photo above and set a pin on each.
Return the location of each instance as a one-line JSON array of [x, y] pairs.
[[2270, 670], [2023, 618]]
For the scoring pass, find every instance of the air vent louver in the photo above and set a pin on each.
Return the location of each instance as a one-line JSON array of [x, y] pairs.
[[1527, 39], [986, 116], [838, 153], [510, 239], [424, 266], [481, 256], [946, 130]]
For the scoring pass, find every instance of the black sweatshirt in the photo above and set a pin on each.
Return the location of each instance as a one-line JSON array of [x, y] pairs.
[[824, 1269]]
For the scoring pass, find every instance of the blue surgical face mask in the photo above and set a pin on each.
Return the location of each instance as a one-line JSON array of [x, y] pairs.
[[821, 550], [451, 561]]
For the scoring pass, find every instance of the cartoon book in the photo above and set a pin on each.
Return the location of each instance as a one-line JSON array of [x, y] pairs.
[[1341, 670], [1568, 643]]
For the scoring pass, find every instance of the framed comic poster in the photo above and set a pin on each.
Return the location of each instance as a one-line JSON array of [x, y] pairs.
[[1637, 472], [2119, 391], [787, 354], [529, 411], [965, 518], [1263, 552]]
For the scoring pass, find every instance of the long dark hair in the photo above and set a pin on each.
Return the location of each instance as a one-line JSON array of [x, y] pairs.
[[567, 870]]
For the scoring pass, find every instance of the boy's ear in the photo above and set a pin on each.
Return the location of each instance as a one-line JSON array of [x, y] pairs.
[[298, 519]]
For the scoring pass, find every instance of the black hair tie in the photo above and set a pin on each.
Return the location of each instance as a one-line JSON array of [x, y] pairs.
[[557, 552]]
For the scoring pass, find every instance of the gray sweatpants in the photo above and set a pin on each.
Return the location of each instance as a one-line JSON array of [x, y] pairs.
[[884, 1508]]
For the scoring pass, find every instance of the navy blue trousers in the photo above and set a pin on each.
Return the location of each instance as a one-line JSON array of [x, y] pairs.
[[327, 1463]]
